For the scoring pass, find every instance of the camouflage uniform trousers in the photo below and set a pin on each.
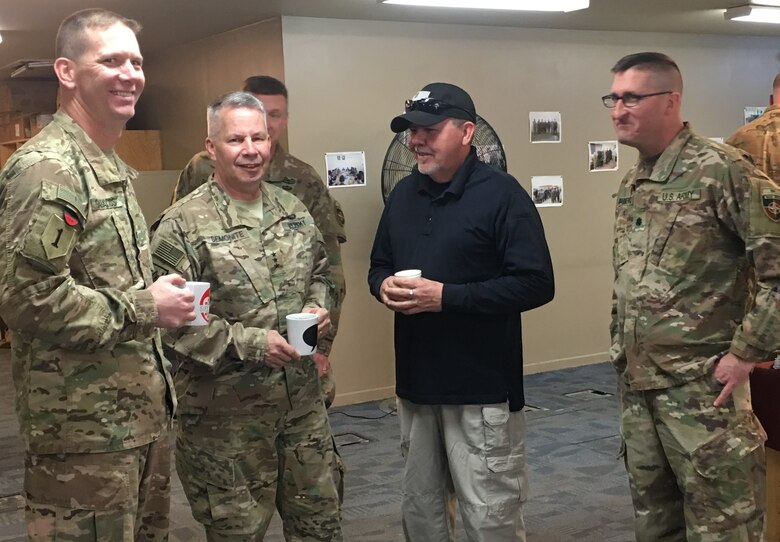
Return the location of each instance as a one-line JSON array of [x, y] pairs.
[[99, 497], [236, 470], [328, 390], [696, 472]]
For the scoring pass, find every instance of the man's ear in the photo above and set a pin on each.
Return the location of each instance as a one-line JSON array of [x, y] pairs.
[[65, 69], [210, 148], [468, 132]]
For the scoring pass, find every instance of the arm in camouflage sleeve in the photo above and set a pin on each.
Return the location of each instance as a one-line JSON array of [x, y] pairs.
[[219, 344], [329, 218], [617, 351], [43, 216], [749, 203], [321, 291]]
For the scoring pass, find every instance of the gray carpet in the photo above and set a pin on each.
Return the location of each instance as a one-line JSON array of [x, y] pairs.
[[578, 490]]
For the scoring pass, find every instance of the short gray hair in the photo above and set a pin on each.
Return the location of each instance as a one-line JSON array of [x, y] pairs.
[[231, 100]]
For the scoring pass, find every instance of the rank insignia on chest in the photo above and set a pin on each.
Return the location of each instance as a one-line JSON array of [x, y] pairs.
[[771, 204]]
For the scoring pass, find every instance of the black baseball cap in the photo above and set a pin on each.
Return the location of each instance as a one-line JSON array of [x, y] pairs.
[[433, 104]]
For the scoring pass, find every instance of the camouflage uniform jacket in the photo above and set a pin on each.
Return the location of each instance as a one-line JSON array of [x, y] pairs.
[[259, 273], [761, 139], [74, 253], [687, 236], [299, 178]]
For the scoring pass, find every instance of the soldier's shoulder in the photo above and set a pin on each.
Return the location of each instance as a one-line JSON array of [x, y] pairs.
[[708, 151], [289, 202], [50, 145], [201, 159], [47, 159], [196, 203], [295, 167]]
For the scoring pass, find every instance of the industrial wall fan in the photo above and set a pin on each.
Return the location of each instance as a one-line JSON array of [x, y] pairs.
[[399, 160]]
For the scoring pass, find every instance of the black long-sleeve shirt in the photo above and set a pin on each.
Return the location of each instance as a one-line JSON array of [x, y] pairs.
[[483, 239]]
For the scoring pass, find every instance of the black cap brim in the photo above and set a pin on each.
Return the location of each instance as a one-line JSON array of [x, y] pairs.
[[420, 118]]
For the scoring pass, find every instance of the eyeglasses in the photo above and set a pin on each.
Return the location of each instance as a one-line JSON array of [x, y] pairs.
[[435, 107], [629, 98]]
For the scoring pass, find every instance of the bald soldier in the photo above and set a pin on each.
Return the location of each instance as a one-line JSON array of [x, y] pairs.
[[300, 179], [93, 391], [694, 219], [761, 137], [253, 432]]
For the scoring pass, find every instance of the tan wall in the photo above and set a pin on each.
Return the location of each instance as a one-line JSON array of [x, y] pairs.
[[347, 79], [182, 82]]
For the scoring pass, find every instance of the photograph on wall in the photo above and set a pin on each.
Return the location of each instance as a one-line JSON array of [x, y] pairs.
[[602, 156], [545, 126], [547, 190], [752, 113], [345, 169]]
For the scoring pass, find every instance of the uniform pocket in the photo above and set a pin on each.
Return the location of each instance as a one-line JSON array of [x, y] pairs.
[[732, 468], [501, 440], [729, 448], [52, 480], [216, 489]]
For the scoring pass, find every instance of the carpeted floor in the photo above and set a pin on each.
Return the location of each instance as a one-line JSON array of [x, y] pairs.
[[578, 489]]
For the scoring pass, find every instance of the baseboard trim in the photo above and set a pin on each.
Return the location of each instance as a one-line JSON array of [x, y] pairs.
[[565, 363], [363, 396]]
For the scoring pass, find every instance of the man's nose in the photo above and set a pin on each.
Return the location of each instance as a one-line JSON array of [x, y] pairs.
[[249, 146], [619, 110]]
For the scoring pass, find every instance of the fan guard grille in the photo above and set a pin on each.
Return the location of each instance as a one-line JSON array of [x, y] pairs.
[[399, 160]]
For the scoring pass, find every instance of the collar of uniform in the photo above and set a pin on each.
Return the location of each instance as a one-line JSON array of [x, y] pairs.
[[459, 180], [773, 107], [669, 161], [227, 212], [108, 167]]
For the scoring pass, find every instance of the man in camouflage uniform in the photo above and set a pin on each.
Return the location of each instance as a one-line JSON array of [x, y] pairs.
[[93, 392], [761, 138], [694, 218], [253, 430], [299, 178]]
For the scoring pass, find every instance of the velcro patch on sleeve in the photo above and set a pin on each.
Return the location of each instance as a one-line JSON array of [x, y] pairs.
[[770, 202], [169, 254], [58, 237]]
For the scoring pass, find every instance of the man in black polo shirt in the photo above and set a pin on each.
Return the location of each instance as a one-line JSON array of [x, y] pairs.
[[476, 236]]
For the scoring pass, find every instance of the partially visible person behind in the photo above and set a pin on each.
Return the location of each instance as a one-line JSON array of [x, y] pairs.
[[253, 432], [477, 238], [300, 179], [93, 391], [694, 220], [761, 137]]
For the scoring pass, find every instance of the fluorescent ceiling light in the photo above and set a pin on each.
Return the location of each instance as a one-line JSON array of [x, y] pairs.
[[518, 5], [754, 14], [31, 65]]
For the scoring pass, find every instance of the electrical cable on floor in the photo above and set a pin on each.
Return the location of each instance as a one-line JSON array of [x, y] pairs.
[[385, 415]]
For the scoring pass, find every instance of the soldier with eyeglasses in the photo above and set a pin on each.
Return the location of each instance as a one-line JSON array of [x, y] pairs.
[[694, 220]]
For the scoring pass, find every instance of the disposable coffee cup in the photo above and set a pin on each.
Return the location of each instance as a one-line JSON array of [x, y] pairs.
[[202, 293], [302, 332], [409, 274]]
